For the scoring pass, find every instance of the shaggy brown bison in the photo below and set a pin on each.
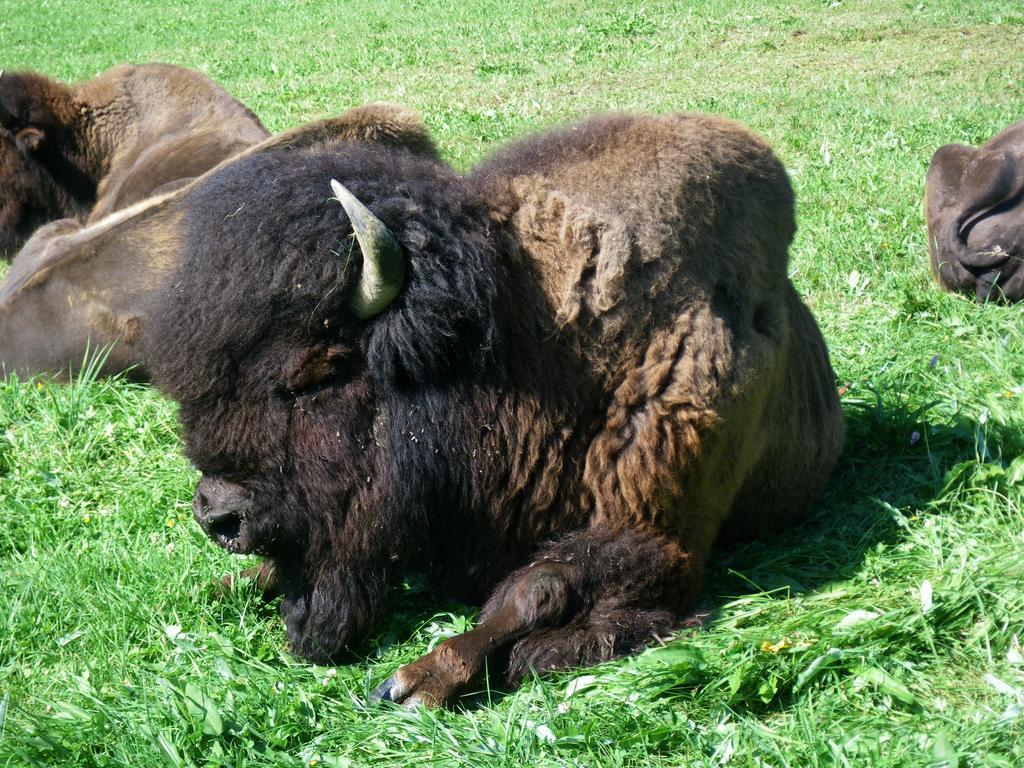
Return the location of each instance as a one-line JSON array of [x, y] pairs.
[[550, 385], [84, 151], [974, 204], [74, 285]]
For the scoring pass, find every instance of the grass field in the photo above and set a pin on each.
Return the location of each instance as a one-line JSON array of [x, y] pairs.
[[884, 632]]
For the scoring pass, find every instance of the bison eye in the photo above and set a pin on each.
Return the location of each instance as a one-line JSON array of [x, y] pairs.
[[314, 367], [30, 139]]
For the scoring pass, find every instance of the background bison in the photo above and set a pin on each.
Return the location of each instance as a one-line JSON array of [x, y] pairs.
[[595, 366], [83, 151], [76, 286], [974, 204]]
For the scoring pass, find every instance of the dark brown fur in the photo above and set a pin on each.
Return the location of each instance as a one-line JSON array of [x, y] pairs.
[[974, 205], [75, 286], [597, 367]]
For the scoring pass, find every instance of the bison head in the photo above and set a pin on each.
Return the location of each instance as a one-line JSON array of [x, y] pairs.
[[294, 334], [36, 150], [974, 204], [30, 198], [226, 510]]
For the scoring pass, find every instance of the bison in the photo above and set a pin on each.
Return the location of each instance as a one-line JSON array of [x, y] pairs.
[[974, 205], [550, 385], [78, 285], [84, 151]]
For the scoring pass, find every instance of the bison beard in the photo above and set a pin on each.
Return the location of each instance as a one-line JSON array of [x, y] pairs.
[[595, 368]]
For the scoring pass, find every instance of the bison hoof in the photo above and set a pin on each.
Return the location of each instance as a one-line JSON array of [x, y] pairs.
[[386, 691], [224, 586], [414, 686], [412, 694], [263, 578], [436, 679]]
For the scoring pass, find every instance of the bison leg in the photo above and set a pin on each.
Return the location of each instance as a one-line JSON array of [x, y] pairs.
[[608, 631], [586, 599], [264, 576]]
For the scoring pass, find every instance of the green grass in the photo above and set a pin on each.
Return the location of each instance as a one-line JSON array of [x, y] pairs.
[[884, 632]]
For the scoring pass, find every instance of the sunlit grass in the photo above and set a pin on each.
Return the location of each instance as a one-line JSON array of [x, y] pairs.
[[884, 632]]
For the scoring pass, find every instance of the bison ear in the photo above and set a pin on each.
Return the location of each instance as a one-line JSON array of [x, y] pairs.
[[30, 139], [313, 365]]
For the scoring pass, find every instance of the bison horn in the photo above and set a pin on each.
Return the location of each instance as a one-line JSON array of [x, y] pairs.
[[383, 262]]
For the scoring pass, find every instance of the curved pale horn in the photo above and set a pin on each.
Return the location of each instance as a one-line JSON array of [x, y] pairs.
[[383, 262]]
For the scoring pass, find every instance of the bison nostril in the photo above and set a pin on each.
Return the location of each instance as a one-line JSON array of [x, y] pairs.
[[217, 518], [224, 526]]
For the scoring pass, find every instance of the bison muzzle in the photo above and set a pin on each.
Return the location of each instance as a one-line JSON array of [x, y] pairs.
[[222, 511]]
